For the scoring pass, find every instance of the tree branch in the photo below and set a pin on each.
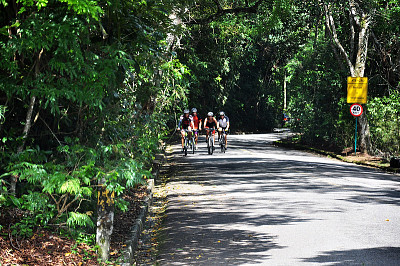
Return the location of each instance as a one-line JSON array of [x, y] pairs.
[[353, 12], [352, 36], [332, 30]]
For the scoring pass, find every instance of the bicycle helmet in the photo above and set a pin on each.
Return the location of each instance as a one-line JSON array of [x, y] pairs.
[[186, 111], [210, 114], [222, 113], [194, 110]]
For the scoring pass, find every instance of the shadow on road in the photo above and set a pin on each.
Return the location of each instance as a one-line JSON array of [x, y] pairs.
[[209, 228], [370, 256], [288, 174]]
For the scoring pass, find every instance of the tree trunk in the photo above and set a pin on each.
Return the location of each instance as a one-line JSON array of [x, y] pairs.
[[28, 124], [105, 220], [359, 69], [365, 135], [27, 127]]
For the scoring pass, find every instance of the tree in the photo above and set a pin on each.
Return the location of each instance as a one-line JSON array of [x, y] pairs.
[[360, 19]]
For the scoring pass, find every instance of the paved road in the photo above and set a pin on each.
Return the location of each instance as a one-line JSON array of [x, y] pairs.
[[262, 205]]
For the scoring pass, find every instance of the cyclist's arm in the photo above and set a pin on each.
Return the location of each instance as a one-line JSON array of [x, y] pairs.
[[227, 126], [179, 123]]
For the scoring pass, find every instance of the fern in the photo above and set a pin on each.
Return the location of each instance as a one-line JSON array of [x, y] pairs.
[[29, 171], [71, 186], [79, 219]]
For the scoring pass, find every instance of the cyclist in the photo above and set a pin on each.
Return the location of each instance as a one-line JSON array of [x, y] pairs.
[[197, 124], [223, 124], [186, 121], [210, 123]]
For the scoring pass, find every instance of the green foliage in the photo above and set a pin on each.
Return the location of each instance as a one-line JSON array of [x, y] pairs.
[[79, 219], [86, 7], [65, 185], [385, 127], [104, 92], [315, 88], [38, 211], [237, 60]]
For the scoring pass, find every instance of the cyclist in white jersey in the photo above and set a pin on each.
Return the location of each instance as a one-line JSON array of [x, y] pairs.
[[223, 124]]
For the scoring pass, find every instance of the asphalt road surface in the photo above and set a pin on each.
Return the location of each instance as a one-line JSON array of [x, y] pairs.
[[262, 205]]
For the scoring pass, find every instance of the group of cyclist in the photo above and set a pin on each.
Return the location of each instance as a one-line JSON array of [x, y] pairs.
[[193, 123]]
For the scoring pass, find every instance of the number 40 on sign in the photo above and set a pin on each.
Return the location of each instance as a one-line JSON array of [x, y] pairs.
[[356, 110]]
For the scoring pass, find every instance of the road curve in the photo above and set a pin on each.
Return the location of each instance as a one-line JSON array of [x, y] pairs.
[[262, 205]]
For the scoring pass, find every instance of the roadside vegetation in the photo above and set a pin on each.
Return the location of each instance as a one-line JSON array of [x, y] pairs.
[[89, 89]]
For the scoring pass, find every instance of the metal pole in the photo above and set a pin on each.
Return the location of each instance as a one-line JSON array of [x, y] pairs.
[[284, 93], [355, 139]]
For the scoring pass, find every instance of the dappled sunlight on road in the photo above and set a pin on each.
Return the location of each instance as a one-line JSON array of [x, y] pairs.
[[258, 203]]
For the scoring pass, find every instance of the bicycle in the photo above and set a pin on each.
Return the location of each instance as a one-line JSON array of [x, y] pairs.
[[222, 140], [188, 143], [210, 140]]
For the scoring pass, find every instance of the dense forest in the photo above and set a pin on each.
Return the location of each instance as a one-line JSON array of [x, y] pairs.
[[89, 89]]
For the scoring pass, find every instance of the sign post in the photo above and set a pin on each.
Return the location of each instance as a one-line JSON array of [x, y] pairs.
[[357, 90], [356, 110]]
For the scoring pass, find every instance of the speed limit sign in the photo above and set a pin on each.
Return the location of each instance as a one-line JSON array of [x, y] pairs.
[[356, 109]]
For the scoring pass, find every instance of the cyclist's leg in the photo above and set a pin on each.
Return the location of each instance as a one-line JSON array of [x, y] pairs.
[[196, 136], [213, 133], [189, 132], [183, 137], [226, 139]]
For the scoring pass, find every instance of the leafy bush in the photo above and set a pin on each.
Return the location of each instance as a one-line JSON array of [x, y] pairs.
[[60, 188], [384, 115]]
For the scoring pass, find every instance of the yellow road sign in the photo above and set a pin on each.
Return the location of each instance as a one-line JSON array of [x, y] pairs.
[[357, 89]]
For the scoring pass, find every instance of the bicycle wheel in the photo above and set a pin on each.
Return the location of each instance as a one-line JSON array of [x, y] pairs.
[[185, 147], [211, 146], [192, 145], [223, 143]]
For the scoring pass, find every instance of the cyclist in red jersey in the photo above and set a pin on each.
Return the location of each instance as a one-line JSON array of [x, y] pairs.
[[197, 124]]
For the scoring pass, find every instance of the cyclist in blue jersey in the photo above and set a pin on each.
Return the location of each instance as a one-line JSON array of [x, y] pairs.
[[223, 124]]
